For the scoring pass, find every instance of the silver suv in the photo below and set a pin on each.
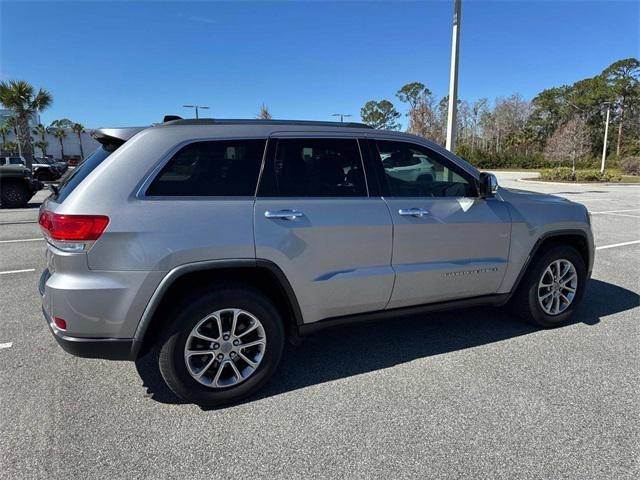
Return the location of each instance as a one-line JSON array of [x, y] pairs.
[[215, 241]]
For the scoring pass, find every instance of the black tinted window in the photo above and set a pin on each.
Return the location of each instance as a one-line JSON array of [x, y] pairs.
[[413, 171], [72, 178], [315, 168], [211, 169]]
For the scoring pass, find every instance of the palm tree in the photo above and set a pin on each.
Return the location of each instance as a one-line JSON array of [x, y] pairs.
[[60, 134], [78, 129], [58, 129], [42, 145], [40, 130], [4, 131], [20, 96]]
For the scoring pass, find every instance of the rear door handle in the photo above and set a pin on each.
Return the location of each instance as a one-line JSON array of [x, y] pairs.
[[413, 212], [284, 214]]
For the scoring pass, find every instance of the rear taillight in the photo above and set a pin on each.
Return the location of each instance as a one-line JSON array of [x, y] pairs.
[[69, 232]]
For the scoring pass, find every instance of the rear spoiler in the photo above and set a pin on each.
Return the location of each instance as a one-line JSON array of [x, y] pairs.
[[112, 138]]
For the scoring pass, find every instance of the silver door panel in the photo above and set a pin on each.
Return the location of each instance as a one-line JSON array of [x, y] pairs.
[[459, 249], [336, 254]]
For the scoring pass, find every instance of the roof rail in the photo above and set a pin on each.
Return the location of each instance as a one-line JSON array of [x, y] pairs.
[[240, 121]]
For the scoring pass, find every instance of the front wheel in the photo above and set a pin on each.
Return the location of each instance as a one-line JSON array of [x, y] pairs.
[[552, 288], [222, 346]]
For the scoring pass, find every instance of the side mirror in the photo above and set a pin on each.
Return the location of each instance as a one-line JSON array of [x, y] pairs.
[[488, 184]]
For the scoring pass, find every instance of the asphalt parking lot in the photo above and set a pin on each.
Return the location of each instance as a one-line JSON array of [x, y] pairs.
[[472, 393]]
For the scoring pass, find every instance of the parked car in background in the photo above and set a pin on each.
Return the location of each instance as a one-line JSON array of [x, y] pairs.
[[74, 161], [12, 160], [44, 169], [48, 169], [17, 185], [410, 167], [213, 241]]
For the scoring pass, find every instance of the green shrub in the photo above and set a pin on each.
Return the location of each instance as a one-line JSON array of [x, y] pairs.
[[484, 160], [630, 165], [564, 174]]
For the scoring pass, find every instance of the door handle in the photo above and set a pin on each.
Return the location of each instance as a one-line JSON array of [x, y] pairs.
[[413, 212], [284, 214]]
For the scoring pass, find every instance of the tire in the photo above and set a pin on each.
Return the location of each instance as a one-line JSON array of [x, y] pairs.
[[191, 313], [14, 195], [527, 301]]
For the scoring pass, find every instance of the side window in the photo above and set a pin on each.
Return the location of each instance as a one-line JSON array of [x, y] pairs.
[[315, 168], [413, 171], [211, 169]]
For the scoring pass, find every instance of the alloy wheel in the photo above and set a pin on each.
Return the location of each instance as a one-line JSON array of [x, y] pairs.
[[225, 348], [557, 287]]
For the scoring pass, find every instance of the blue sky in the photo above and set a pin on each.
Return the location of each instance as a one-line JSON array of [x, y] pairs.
[[124, 63]]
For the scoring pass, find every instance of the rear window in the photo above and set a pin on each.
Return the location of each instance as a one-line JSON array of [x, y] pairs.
[[74, 177], [227, 168]]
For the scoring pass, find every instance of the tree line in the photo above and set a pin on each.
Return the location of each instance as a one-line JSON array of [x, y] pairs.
[[560, 125], [21, 98]]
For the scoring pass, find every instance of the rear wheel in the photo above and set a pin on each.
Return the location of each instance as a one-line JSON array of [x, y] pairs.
[[552, 287], [221, 346], [14, 194]]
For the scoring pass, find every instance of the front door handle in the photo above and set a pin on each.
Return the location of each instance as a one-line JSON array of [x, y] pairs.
[[284, 214], [413, 212]]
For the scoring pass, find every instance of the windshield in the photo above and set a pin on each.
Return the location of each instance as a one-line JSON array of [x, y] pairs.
[[74, 177]]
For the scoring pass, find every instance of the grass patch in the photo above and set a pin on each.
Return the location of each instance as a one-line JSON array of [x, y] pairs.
[[630, 179]]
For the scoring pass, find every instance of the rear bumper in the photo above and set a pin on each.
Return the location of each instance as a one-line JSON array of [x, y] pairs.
[[107, 348]]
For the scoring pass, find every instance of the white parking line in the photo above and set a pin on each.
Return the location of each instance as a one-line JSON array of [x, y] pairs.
[[616, 211], [18, 271], [622, 215], [18, 222], [618, 245], [22, 240], [5, 345]]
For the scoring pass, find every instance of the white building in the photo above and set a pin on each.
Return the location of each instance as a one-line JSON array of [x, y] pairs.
[[71, 143]]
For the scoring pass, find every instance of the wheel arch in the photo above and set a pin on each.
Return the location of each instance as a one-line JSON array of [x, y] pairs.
[[262, 274], [575, 238]]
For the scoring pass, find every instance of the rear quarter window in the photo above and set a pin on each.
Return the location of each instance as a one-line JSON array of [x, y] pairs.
[[73, 178], [227, 168]]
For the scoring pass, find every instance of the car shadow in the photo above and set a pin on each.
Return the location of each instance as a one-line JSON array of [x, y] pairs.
[[351, 350]]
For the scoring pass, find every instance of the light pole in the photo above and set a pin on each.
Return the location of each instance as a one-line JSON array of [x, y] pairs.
[[197, 107], [606, 134], [453, 79], [341, 115]]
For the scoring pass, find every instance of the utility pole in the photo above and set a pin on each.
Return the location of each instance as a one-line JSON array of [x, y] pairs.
[[453, 79], [341, 115], [197, 107], [606, 134]]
